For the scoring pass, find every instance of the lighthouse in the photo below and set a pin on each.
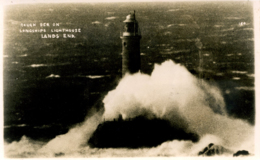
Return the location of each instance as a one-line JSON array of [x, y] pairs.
[[130, 45]]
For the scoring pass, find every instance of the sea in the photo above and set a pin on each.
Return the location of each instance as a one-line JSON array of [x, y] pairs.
[[52, 84]]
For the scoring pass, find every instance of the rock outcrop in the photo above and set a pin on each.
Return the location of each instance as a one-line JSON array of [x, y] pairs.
[[213, 150], [136, 133], [241, 153]]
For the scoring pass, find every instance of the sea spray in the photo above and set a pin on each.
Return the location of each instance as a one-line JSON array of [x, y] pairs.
[[75, 138], [173, 93], [183, 148], [170, 93], [66, 144], [165, 94], [26, 147]]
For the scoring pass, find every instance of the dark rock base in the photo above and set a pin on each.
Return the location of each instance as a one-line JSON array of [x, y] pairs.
[[136, 133]]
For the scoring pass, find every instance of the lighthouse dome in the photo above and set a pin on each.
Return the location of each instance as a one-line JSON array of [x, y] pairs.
[[130, 18]]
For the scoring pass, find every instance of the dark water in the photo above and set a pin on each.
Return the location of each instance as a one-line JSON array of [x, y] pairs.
[[52, 84]]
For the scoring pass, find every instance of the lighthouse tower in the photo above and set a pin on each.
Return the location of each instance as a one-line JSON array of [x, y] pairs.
[[130, 45]]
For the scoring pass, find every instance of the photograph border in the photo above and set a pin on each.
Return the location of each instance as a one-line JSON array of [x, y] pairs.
[[256, 8]]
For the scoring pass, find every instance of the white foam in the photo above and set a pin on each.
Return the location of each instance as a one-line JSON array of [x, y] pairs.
[[38, 65], [23, 55], [240, 72], [111, 18], [96, 22], [173, 10], [95, 76], [53, 76], [236, 78]]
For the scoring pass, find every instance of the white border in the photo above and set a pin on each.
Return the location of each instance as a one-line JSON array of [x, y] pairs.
[[257, 76], [256, 7]]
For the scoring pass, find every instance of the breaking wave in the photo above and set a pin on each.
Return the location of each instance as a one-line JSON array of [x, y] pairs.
[[170, 93]]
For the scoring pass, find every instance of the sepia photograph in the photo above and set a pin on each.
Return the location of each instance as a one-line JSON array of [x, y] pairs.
[[86, 79]]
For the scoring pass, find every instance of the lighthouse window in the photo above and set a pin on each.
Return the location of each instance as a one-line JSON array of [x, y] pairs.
[[125, 44]]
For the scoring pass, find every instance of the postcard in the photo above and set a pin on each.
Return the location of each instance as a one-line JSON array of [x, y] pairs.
[[126, 79]]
